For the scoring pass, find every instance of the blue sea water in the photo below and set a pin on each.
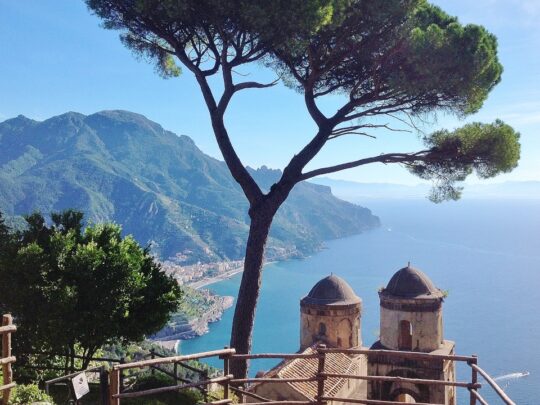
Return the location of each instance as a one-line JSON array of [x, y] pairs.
[[485, 253]]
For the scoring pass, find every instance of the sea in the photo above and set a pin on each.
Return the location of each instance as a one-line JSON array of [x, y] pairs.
[[485, 253]]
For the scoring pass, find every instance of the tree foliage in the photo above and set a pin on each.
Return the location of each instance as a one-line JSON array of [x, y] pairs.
[[486, 149], [396, 55], [394, 60], [73, 290], [388, 58]]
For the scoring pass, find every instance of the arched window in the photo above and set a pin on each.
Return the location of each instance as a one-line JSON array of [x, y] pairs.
[[409, 399], [322, 329], [339, 344], [405, 335]]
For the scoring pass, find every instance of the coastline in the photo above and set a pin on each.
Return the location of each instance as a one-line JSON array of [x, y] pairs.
[[171, 334], [221, 277], [211, 280], [172, 337]]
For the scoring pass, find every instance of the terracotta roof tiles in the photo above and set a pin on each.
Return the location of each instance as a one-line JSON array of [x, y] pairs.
[[337, 363]]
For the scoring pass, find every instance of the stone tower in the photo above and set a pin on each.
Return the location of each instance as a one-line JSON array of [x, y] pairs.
[[411, 312], [330, 314], [411, 320]]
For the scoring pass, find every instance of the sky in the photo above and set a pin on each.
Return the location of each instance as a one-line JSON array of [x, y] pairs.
[[55, 57]]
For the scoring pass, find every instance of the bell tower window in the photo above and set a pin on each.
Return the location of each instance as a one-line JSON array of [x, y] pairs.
[[405, 335]]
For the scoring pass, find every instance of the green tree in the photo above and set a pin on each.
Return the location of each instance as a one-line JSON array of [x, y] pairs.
[[6, 238], [72, 291], [4, 229], [394, 60]]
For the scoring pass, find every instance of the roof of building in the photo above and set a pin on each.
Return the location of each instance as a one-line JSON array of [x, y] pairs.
[[410, 282], [331, 290], [336, 363]]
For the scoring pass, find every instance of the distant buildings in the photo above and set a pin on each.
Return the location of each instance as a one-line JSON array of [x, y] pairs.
[[200, 272]]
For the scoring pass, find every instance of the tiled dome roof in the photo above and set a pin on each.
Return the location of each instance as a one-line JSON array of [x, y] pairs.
[[409, 282], [331, 290]]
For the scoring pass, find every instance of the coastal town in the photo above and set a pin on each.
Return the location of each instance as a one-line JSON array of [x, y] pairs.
[[201, 306], [202, 274]]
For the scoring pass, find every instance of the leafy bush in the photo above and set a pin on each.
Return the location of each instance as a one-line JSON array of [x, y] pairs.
[[63, 271], [27, 394], [146, 381]]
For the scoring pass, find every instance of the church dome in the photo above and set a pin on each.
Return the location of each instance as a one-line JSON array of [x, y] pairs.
[[331, 290], [409, 282]]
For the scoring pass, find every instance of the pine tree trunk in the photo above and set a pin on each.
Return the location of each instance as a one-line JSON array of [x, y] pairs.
[[88, 354], [248, 294]]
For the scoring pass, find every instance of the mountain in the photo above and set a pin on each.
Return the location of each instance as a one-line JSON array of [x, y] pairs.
[[119, 166], [359, 192]]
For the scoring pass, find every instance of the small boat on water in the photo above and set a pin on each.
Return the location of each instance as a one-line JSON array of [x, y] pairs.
[[512, 376]]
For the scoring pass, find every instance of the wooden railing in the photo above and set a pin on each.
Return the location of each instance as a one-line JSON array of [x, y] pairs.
[[174, 373], [7, 359], [116, 375], [65, 380], [232, 385]]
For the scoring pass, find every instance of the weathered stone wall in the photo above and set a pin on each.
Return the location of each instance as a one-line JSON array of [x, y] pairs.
[[337, 327], [382, 365], [427, 331], [450, 375]]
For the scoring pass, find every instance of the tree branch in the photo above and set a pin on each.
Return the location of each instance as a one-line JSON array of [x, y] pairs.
[[353, 130], [421, 156], [340, 134], [253, 85], [313, 109]]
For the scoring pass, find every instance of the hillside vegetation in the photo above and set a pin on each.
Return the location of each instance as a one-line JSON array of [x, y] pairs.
[[119, 166]]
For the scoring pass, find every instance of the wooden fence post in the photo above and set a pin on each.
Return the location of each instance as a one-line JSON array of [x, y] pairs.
[[121, 376], [226, 370], [104, 385], [206, 389], [7, 320], [152, 356], [175, 370], [114, 386], [474, 378], [320, 370]]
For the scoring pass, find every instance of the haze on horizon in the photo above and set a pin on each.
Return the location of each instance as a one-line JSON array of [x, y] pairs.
[[56, 58]]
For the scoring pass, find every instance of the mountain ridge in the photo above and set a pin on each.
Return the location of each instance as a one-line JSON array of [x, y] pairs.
[[119, 166]]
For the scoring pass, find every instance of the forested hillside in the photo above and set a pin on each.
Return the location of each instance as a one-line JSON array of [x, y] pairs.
[[119, 166]]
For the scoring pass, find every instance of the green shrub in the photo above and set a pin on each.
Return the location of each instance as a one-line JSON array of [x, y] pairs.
[[27, 394], [146, 381]]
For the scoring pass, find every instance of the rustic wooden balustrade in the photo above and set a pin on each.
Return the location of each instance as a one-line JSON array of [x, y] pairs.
[[230, 384], [7, 359]]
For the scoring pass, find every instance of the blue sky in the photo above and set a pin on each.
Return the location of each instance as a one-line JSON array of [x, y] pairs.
[[54, 57]]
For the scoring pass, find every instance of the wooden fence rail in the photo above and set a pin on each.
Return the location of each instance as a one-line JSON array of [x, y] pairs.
[[502, 395], [371, 401], [7, 359], [401, 354], [229, 383], [405, 380]]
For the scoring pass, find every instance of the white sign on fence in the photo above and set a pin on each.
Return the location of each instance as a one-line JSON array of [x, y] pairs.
[[80, 385]]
